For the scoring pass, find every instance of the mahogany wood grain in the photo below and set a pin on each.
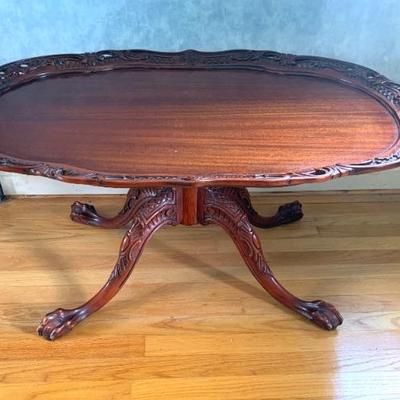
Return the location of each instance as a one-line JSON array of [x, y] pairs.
[[87, 213], [137, 118], [228, 208], [193, 123], [153, 209], [147, 210], [189, 205]]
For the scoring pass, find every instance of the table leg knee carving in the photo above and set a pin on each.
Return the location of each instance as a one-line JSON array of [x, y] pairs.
[[286, 213], [157, 207], [224, 207]]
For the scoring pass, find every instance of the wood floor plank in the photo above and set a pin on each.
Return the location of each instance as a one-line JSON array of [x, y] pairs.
[[255, 343], [199, 365], [196, 273], [191, 322], [316, 387], [212, 292], [27, 345], [72, 390]]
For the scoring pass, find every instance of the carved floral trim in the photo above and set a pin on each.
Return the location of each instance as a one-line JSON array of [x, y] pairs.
[[77, 175]]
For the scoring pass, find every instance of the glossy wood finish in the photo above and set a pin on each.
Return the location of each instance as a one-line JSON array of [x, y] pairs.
[[192, 323], [88, 215], [286, 213], [190, 205], [183, 131], [195, 123], [251, 118], [226, 208], [147, 210], [153, 209]]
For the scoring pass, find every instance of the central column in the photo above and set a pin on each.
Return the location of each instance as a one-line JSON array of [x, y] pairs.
[[189, 205]]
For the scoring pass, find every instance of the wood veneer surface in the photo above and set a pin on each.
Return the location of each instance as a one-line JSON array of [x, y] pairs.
[[193, 122]]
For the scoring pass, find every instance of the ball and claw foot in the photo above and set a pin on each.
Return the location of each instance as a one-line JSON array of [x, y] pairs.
[[57, 323], [286, 213], [289, 212], [322, 314], [84, 213]]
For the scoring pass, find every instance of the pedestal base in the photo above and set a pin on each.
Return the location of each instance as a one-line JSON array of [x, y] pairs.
[[148, 209]]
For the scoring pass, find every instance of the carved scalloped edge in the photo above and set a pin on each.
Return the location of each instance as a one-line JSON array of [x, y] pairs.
[[17, 73], [75, 175]]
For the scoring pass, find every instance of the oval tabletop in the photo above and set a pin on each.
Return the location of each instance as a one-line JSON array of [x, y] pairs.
[[129, 118]]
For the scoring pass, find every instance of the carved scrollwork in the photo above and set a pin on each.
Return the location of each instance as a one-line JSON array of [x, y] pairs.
[[225, 207], [87, 214], [153, 208], [79, 175], [39, 67]]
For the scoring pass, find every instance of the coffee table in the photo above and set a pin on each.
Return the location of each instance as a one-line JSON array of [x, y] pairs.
[[186, 133]]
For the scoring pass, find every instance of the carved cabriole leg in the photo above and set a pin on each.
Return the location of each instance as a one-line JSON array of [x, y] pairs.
[[86, 213], [153, 209], [225, 207], [285, 214]]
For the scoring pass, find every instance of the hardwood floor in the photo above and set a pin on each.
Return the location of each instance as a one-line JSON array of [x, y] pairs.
[[192, 323]]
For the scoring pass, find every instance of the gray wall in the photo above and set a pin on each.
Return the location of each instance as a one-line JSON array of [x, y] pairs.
[[362, 31]]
